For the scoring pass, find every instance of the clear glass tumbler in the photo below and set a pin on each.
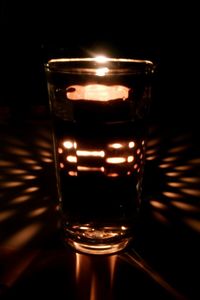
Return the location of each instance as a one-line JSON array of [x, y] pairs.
[[99, 110]]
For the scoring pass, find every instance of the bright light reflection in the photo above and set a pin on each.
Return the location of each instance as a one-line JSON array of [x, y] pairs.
[[130, 159], [151, 157], [12, 184], [172, 174], [102, 71], [97, 92], [176, 184], [16, 171], [101, 59], [72, 173], [84, 168], [131, 145], [36, 167], [124, 228], [47, 160], [29, 161], [112, 174], [21, 199], [172, 195], [60, 150], [71, 158], [90, 153], [68, 144], [163, 166], [84, 227], [115, 160], [157, 204], [31, 189], [192, 192], [115, 145], [29, 177]]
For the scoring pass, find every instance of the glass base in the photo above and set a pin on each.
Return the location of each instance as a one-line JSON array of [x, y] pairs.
[[104, 240], [98, 248]]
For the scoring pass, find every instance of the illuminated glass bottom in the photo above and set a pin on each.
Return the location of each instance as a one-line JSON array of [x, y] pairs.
[[104, 240]]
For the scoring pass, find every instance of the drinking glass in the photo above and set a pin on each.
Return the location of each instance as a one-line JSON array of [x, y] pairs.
[[99, 108]]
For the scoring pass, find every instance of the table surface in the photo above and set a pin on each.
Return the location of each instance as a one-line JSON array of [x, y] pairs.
[[161, 263]]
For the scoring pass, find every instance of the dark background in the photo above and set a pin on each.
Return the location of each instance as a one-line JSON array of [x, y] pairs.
[[33, 32]]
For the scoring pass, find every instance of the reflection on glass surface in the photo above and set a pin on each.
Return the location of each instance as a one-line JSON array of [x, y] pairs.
[[97, 92], [118, 158], [100, 179]]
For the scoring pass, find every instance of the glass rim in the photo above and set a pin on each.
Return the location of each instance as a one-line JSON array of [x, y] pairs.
[[89, 65], [99, 59]]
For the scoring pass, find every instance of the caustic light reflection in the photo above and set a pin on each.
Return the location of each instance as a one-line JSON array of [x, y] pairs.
[[7, 214], [115, 160], [90, 153], [112, 159], [178, 168], [23, 236], [24, 207], [95, 278]]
